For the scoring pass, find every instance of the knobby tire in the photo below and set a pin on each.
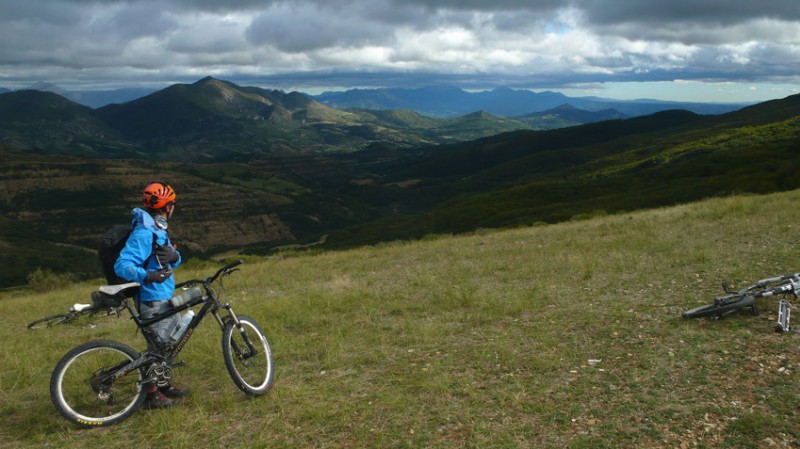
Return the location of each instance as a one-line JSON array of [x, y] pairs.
[[50, 321], [78, 393], [252, 375]]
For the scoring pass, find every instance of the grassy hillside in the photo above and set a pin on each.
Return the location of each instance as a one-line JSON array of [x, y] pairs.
[[385, 193], [55, 207], [44, 120], [554, 336], [523, 177]]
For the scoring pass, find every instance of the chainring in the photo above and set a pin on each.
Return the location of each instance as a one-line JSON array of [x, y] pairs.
[[162, 372]]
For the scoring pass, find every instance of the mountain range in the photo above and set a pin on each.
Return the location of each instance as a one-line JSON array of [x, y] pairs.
[[69, 172], [446, 101], [432, 101], [217, 120]]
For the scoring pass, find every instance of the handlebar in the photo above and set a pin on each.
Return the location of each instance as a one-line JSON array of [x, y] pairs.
[[224, 271], [789, 283], [794, 278]]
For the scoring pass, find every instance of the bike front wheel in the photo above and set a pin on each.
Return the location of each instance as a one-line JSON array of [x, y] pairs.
[[721, 307], [49, 321], [85, 390], [251, 370]]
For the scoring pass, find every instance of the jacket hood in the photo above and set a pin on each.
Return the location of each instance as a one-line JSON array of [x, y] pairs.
[[142, 217]]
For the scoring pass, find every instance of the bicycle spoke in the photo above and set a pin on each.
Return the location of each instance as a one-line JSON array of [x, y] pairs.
[[83, 391], [251, 370]]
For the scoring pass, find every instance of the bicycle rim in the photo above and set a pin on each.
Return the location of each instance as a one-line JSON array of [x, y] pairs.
[[253, 374], [49, 321], [82, 396]]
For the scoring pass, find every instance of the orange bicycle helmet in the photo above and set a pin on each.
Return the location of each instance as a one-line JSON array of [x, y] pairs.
[[158, 195]]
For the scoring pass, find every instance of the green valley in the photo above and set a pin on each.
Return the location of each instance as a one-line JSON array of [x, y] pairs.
[[236, 196]]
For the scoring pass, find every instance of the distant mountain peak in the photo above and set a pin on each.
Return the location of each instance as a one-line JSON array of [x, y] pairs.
[[563, 107], [206, 80], [216, 84], [479, 114], [45, 87]]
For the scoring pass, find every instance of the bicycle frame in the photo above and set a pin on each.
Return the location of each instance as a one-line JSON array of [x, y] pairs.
[[112, 380], [793, 285], [210, 301], [734, 300], [160, 352]]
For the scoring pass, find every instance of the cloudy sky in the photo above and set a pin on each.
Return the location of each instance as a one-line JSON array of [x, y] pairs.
[[701, 50]]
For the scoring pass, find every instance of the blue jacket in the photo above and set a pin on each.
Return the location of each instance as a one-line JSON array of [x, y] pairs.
[[134, 261]]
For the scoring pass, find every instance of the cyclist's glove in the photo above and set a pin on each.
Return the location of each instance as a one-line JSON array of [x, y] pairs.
[[166, 254], [157, 276]]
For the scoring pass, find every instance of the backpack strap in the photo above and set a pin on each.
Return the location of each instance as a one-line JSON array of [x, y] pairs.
[[153, 250]]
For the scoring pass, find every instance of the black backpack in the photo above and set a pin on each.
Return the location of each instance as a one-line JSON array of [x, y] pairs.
[[111, 244]]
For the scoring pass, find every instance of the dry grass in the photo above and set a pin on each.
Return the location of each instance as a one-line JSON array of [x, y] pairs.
[[549, 336]]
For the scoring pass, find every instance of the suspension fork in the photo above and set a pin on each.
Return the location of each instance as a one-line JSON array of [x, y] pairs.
[[251, 348]]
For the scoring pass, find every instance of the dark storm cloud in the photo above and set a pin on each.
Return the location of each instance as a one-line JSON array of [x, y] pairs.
[[604, 12], [476, 42], [724, 12], [298, 28]]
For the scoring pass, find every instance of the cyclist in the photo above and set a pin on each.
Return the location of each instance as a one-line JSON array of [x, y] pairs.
[[149, 258]]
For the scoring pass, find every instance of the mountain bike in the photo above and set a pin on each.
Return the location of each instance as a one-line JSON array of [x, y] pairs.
[[78, 310], [104, 382], [734, 300]]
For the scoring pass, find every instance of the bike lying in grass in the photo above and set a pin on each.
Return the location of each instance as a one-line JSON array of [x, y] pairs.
[[74, 312], [739, 299], [103, 382]]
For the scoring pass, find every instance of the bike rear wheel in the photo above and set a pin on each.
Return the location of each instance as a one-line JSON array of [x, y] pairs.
[[49, 321], [721, 307], [252, 372], [85, 393]]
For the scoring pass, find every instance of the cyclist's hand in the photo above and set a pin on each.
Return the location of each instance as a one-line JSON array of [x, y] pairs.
[[157, 276], [166, 254]]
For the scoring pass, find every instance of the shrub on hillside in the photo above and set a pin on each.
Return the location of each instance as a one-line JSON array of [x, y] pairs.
[[45, 280]]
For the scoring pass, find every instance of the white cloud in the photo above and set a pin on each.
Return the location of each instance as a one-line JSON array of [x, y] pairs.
[[580, 41]]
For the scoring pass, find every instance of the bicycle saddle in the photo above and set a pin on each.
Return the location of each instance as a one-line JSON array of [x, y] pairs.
[[78, 307], [114, 289]]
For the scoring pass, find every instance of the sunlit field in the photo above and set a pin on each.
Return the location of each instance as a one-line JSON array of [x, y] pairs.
[[555, 336]]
